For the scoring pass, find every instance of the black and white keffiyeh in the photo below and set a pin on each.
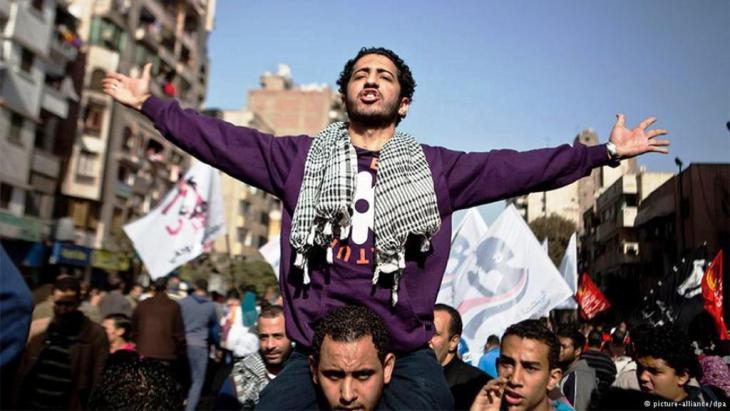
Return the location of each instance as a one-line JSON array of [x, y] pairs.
[[405, 201]]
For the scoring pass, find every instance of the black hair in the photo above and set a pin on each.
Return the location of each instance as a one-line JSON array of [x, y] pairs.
[[405, 77], [455, 324], [66, 282], [595, 339], [201, 284], [492, 340], [349, 324], [131, 383], [233, 294], [271, 311], [572, 331], [669, 343], [122, 321], [160, 284], [538, 331]]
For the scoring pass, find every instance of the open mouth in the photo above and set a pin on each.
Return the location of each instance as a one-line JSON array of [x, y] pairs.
[[369, 95], [512, 398]]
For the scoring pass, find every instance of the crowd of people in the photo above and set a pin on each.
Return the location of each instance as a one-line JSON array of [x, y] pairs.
[[197, 351]]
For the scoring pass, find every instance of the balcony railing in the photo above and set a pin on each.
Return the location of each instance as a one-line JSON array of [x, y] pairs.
[[31, 29], [46, 163], [54, 102], [22, 93]]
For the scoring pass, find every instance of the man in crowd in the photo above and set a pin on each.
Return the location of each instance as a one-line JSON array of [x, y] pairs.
[[464, 380], [601, 362], [488, 361], [134, 295], [202, 329], [579, 380], [625, 365], [340, 249], [666, 364], [528, 369], [158, 326], [252, 373], [351, 360], [65, 354], [113, 301]]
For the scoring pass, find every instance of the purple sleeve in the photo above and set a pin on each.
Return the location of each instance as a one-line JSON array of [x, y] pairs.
[[255, 158], [479, 178]]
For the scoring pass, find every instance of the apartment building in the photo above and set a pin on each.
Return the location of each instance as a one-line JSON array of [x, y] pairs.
[[39, 62], [120, 166]]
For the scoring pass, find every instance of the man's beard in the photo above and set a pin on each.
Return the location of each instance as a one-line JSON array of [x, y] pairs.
[[380, 118]]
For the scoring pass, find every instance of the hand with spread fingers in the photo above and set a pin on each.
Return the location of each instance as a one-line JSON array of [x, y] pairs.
[[130, 91], [490, 396], [639, 140]]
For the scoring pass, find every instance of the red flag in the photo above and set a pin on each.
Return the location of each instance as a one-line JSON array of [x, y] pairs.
[[712, 294], [590, 298]]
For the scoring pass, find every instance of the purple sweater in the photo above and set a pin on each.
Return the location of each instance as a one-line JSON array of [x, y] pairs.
[[461, 180]]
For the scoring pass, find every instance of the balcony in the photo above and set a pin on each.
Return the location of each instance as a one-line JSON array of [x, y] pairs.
[[46, 163], [141, 185], [63, 50], [22, 92], [627, 216], [163, 16], [123, 189], [149, 35], [54, 102], [30, 29]]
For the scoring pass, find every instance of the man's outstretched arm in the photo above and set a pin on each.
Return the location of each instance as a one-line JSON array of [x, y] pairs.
[[253, 157], [479, 178]]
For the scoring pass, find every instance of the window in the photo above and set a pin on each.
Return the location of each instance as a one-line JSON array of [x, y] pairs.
[[245, 207], [16, 128], [96, 79], [26, 59], [38, 5], [107, 34], [242, 235], [93, 118], [87, 164], [6, 192], [264, 218], [33, 201]]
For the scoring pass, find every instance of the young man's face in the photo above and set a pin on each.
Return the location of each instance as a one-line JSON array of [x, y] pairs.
[[657, 377], [524, 363], [274, 345], [350, 374], [373, 92], [568, 351], [440, 343]]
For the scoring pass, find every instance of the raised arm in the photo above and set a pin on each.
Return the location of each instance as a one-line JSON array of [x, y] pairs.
[[479, 178], [255, 158]]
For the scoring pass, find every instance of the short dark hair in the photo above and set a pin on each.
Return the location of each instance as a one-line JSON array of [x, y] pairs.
[[201, 284], [538, 331], [349, 324], [572, 331], [160, 284], [595, 339], [455, 324], [405, 77], [492, 340], [131, 383], [66, 282], [122, 321], [669, 343], [271, 311], [233, 294]]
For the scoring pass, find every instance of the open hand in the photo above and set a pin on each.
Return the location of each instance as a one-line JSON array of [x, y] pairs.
[[489, 397], [130, 91], [630, 143]]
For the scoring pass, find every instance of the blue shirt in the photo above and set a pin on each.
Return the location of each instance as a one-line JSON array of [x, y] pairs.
[[488, 362]]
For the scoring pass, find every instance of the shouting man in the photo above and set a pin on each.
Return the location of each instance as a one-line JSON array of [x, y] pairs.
[[366, 208]]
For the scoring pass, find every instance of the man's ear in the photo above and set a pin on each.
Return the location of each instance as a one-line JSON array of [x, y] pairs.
[[388, 366], [454, 342], [683, 378], [313, 369], [405, 104], [556, 374]]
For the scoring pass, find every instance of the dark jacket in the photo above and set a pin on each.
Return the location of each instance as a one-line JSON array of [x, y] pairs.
[[88, 354], [465, 381], [158, 326]]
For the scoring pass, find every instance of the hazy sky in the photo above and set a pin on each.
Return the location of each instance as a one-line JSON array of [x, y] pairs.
[[507, 74]]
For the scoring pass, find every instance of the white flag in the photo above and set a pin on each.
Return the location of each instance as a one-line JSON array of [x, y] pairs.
[[271, 251], [508, 278], [569, 271], [183, 225], [463, 241], [692, 286]]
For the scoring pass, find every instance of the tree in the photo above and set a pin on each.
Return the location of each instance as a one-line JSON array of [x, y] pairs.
[[558, 230]]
